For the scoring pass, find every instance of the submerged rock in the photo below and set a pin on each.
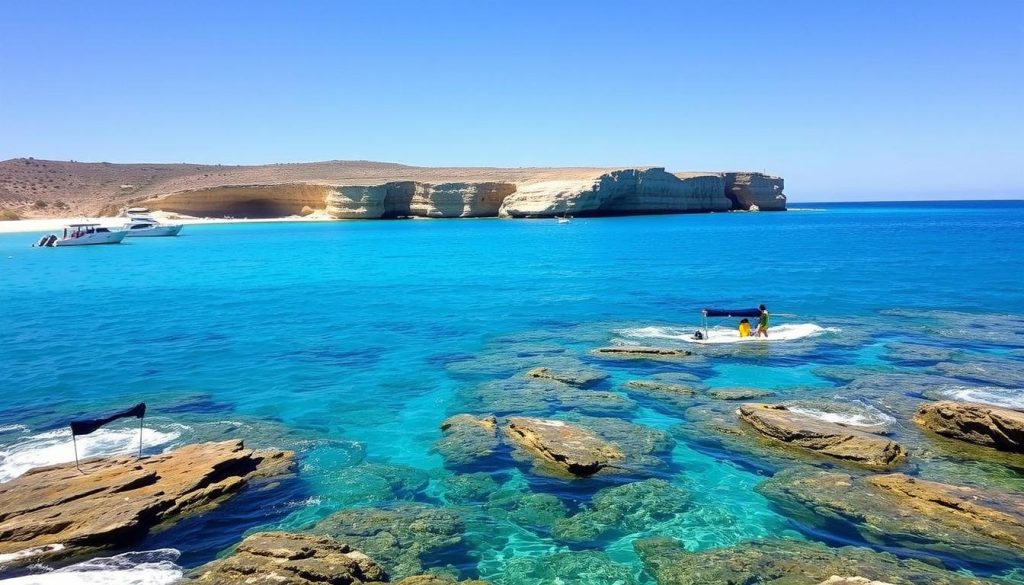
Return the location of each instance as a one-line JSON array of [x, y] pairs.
[[988, 371], [574, 567], [785, 562], [565, 446], [467, 439], [981, 424], [296, 559], [623, 509], [539, 397], [739, 393], [966, 524], [59, 511], [469, 488], [776, 422], [579, 377], [677, 396], [402, 539]]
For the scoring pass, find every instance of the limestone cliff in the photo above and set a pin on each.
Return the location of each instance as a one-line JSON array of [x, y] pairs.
[[417, 199], [747, 189], [628, 191], [243, 200]]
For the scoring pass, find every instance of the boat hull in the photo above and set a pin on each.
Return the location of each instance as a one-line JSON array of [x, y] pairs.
[[91, 239], [154, 232]]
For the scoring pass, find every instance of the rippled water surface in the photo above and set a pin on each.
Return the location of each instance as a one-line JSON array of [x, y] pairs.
[[350, 342]]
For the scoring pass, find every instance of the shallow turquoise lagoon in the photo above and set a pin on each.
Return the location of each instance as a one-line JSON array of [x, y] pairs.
[[350, 342]]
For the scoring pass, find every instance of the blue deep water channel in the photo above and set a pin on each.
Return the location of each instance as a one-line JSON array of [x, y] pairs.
[[350, 342]]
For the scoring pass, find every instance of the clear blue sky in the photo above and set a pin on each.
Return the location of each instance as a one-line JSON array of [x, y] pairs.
[[846, 100]]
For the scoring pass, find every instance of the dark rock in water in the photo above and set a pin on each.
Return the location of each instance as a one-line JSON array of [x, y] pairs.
[[540, 397], [467, 439], [637, 352], [981, 424], [576, 568], [371, 482], [677, 396], [525, 508], [739, 393], [296, 559], [966, 524], [776, 422], [580, 377], [59, 511], [623, 509], [562, 445], [644, 447], [402, 539], [785, 562]]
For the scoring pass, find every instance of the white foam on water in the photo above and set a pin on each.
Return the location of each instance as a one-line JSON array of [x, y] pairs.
[[719, 335], [12, 428], [55, 446], [870, 417], [994, 395], [155, 567]]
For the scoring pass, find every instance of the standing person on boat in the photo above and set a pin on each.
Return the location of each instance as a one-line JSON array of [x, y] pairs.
[[762, 323]]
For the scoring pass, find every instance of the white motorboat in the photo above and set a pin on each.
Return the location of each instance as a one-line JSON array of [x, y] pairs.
[[142, 224], [82, 234]]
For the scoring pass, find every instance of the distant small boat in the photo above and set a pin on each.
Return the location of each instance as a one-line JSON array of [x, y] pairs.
[[143, 224], [564, 219], [82, 234]]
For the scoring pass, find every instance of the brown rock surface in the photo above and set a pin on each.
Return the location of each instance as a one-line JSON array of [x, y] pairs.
[[981, 424], [777, 423], [579, 377], [635, 352], [295, 559], [962, 522], [739, 393], [571, 448], [467, 438], [114, 501]]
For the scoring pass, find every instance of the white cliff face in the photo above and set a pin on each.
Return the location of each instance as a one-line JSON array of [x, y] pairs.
[[747, 189], [410, 198], [619, 192]]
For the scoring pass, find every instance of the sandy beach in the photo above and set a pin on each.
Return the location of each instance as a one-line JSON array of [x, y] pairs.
[[55, 224]]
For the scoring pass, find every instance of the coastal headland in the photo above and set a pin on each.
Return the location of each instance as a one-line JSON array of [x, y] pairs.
[[31, 188]]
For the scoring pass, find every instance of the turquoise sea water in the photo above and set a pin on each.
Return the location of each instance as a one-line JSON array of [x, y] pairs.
[[350, 342]]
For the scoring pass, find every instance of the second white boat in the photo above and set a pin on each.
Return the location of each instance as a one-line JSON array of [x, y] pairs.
[[142, 224]]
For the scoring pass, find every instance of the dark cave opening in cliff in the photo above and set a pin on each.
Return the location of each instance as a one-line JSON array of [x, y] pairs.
[[254, 209]]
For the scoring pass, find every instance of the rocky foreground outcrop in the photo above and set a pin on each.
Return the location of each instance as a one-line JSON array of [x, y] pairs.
[[276, 558], [786, 562], [59, 511], [776, 422], [572, 448], [960, 523], [981, 424]]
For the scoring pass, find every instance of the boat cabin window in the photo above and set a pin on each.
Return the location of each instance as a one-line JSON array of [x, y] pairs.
[[140, 226]]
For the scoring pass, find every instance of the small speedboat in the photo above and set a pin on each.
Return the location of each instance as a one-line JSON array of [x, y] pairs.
[[82, 234], [142, 224], [564, 219]]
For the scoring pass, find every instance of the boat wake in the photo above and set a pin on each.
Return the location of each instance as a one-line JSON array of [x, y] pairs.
[[722, 335], [155, 567], [55, 446]]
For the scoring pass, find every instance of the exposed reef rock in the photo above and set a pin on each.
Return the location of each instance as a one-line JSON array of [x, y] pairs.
[[964, 524], [59, 511], [745, 190], [739, 393], [776, 422], [619, 192], [467, 439], [580, 377], [275, 558], [785, 562], [638, 352], [571, 448], [981, 424], [401, 539], [296, 559], [623, 509]]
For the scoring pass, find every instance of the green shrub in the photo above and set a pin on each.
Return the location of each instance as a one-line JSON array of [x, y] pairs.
[[39, 204], [8, 215]]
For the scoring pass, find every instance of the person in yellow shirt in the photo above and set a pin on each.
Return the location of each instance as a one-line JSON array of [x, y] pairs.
[[745, 328]]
